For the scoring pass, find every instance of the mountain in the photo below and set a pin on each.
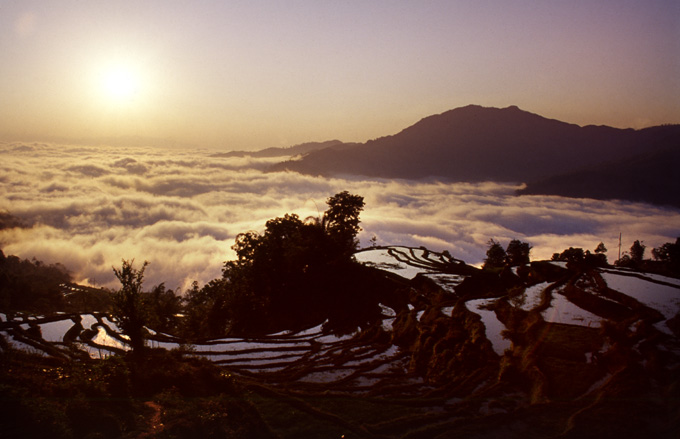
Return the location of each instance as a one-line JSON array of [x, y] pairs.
[[649, 177], [475, 143], [303, 148]]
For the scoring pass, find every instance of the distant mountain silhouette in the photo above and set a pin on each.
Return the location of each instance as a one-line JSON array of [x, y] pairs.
[[650, 177], [475, 143], [303, 148]]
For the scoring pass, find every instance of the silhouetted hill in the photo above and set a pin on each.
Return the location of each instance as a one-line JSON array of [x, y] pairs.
[[302, 148], [475, 143], [650, 177]]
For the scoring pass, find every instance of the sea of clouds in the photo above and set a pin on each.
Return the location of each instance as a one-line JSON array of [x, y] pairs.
[[90, 207]]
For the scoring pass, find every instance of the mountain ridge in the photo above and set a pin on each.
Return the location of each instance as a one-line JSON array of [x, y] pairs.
[[299, 149], [475, 143], [648, 177]]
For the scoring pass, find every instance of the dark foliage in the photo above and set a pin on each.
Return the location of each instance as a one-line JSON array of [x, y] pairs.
[[31, 285], [294, 274], [116, 397], [341, 221], [556, 380], [128, 307], [136, 310], [163, 307], [208, 310], [637, 252], [668, 252], [633, 258], [669, 256], [83, 299], [577, 257], [495, 255], [516, 254], [570, 255]]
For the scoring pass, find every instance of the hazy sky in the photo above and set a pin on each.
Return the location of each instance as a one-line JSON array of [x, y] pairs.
[[252, 74]]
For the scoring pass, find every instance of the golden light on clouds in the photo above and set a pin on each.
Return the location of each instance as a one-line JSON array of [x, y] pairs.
[[181, 209]]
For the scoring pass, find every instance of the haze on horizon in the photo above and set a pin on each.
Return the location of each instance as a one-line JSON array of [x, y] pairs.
[[250, 75], [89, 207]]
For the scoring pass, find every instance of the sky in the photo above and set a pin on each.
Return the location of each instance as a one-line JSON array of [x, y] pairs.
[[90, 207], [255, 74]]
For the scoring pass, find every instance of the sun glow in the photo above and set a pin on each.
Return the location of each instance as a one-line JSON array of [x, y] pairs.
[[120, 84]]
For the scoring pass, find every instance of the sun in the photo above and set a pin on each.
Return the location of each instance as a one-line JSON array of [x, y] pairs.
[[120, 84]]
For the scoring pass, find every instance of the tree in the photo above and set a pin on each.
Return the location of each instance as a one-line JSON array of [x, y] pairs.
[[128, 304], [637, 252], [208, 310], [162, 306], [574, 255], [517, 253], [31, 285], [293, 263], [598, 258], [625, 260], [600, 249], [668, 252], [495, 255], [341, 219], [669, 255]]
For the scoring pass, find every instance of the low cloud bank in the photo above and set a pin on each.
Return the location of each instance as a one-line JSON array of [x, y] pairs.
[[88, 208]]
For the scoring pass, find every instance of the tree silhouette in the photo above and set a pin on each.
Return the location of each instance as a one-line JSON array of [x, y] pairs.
[[128, 304], [341, 220], [293, 263], [495, 255], [598, 258], [518, 253], [162, 306], [31, 284], [574, 255], [637, 252], [669, 254]]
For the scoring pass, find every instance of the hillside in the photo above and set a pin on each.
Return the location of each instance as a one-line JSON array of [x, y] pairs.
[[649, 177], [475, 143], [548, 349]]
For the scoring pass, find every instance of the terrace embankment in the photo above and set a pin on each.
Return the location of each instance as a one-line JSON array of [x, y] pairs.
[[543, 350]]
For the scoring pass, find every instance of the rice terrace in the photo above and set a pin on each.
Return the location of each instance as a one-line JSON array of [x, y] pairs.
[[385, 219], [551, 348]]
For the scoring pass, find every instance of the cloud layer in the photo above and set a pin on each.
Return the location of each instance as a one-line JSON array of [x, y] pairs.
[[90, 207]]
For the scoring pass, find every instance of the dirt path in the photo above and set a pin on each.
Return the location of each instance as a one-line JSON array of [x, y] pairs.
[[155, 424]]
